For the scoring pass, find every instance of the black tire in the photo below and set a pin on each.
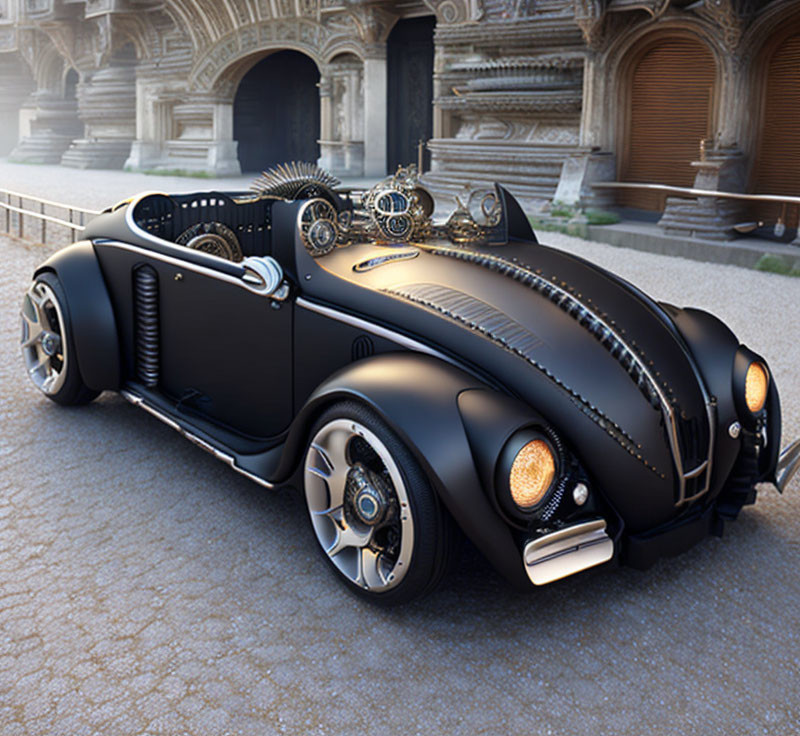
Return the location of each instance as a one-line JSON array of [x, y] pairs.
[[68, 387], [435, 535]]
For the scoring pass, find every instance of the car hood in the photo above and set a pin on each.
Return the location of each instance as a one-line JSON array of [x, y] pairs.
[[596, 357]]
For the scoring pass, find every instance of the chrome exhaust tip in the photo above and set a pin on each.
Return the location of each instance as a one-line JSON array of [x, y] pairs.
[[564, 552]]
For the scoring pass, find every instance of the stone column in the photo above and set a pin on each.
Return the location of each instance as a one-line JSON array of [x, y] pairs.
[[107, 106], [326, 133], [592, 164], [53, 127], [223, 157], [342, 123], [375, 90], [153, 125]]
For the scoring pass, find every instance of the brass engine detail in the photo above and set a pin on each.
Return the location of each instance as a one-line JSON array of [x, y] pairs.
[[213, 238], [398, 208]]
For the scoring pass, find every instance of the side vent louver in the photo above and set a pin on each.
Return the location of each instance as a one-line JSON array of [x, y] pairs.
[[145, 289], [362, 348]]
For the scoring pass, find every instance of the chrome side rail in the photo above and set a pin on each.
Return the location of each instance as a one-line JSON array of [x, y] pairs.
[[259, 275], [564, 552], [139, 402], [788, 465]]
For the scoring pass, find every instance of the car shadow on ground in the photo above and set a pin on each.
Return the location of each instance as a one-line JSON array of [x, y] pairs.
[[271, 525]]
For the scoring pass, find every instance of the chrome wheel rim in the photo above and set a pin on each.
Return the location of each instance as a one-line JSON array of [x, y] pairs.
[[358, 505], [43, 338]]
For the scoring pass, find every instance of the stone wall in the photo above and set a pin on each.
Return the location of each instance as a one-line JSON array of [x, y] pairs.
[[530, 92]]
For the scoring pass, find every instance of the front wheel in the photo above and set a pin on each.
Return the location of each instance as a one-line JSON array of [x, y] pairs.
[[373, 510], [47, 345]]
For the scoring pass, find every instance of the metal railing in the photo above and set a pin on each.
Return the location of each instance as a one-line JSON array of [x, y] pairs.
[[75, 223], [782, 199]]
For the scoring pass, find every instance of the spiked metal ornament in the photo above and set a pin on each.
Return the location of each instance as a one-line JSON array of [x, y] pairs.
[[294, 180]]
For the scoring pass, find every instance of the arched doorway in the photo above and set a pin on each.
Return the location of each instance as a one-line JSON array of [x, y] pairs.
[[410, 89], [670, 98], [71, 85], [276, 112], [776, 166]]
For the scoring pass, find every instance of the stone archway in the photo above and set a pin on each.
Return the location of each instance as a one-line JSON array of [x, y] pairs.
[[276, 111], [669, 88], [776, 163]]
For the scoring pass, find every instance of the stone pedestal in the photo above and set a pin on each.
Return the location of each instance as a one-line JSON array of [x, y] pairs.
[[579, 172], [709, 218], [531, 172], [107, 106], [203, 141], [144, 156], [512, 119], [375, 86], [54, 126], [342, 158]]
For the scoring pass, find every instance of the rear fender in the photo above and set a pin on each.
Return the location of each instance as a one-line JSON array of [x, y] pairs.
[[94, 329], [418, 396]]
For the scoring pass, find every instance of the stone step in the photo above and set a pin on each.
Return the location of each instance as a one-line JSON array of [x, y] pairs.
[[97, 154], [42, 148]]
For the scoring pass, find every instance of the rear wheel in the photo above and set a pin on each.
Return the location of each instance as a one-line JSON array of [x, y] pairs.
[[47, 345], [373, 510]]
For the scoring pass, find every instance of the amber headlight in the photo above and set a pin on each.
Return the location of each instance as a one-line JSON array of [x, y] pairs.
[[527, 473], [532, 474], [756, 384]]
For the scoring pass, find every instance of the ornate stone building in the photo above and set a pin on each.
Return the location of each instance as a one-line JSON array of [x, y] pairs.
[[548, 96]]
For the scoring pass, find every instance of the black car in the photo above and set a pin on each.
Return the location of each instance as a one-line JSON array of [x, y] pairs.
[[417, 380]]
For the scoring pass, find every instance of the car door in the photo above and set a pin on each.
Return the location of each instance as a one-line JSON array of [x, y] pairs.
[[225, 348], [200, 331]]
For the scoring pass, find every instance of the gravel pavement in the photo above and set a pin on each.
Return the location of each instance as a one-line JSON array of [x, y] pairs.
[[147, 589]]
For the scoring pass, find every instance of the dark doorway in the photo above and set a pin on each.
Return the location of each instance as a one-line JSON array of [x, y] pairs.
[[276, 112], [410, 90], [71, 85]]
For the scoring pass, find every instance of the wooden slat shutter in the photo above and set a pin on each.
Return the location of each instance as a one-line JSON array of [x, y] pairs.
[[671, 94], [776, 169]]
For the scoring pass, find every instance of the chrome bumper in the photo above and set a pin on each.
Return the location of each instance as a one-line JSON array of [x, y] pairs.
[[567, 551], [788, 465]]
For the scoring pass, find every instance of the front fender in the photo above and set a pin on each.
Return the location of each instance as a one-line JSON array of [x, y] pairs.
[[418, 396], [94, 329]]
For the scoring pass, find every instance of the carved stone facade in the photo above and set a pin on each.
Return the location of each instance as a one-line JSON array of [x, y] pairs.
[[530, 92]]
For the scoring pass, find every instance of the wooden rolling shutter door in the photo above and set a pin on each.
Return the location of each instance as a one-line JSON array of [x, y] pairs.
[[670, 112], [777, 163]]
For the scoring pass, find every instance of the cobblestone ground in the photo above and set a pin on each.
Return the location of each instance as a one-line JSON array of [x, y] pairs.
[[147, 589]]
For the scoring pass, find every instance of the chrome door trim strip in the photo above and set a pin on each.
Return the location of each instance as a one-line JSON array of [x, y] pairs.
[[378, 331]]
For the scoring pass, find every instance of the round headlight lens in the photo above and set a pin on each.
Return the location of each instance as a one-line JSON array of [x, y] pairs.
[[756, 383], [532, 474]]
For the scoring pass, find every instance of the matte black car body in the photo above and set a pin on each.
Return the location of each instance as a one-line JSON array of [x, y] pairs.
[[458, 349]]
